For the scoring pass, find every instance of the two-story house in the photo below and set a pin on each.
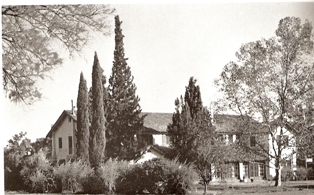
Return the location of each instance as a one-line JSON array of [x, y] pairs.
[[62, 134], [251, 165]]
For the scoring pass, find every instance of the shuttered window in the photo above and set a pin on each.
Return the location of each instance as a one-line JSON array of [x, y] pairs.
[[60, 142], [70, 145]]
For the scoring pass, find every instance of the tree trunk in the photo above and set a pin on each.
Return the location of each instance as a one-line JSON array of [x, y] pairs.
[[278, 172], [205, 187]]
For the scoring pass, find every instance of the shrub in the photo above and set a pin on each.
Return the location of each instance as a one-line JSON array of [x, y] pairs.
[[157, 176], [71, 175], [104, 181], [301, 173], [310, 173], [36, 173], [38, 181], [286, 174], [110, 171]]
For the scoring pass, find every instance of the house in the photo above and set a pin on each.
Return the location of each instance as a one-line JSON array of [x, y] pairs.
[[255, 137], [252, 166], [255, 167], [155, 128], [155, 131], [62, 134]]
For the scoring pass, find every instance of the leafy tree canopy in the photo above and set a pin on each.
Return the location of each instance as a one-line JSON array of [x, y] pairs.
[[30, 35], [273, 81]]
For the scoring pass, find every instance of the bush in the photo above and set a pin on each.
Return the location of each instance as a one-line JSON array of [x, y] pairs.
[[286, 174], [38, 182], [37, 172], [104, 181], [157, 176], [72, 175], [310, 173], [301, 173]]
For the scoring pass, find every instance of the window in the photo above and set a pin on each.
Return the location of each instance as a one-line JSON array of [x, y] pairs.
[[261, 169], [60, 142], [236, 138], [70, 119], [236, 170], [70, 145], [253, 169], [252, 141], [165, 140], [246, 169]]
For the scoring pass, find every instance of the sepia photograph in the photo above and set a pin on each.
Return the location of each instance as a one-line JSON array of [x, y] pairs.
[[158, 97]]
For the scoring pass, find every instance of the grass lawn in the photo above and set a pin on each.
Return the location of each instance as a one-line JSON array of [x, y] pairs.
[[287, 188]]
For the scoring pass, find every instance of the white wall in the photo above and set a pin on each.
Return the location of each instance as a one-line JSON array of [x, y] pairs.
[[64, 131], [161, 140]]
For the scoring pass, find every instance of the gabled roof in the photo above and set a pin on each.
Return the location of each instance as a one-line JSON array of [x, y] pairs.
[[156, 122], [61, 118], [226, 123], [162, 151]]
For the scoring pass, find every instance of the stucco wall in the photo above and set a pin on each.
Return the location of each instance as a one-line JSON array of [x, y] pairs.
[[161, 140], [64, 131]]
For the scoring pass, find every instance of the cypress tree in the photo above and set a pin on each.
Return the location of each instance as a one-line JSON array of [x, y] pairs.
[[97, 141], [193, 97], [124, 120], [190, 123], [82, 121]]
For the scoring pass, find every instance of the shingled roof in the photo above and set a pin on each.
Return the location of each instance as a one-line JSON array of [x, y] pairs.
[[225, 123], [157, 122]]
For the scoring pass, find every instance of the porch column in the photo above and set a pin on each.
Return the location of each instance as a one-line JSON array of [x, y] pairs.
[[241, 170]]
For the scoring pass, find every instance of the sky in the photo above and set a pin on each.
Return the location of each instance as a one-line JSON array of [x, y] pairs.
[[166, 44]]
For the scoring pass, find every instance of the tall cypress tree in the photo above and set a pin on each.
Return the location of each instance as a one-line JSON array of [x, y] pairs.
[[97, 141], [124, 120], [82, 135]]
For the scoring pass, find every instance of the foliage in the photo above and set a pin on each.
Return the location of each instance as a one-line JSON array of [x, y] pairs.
[[72, 175], [43, 143], [286, 173], [97, 140], [105, 180], [14, 152], [31, 35], [302, 173], [189, 123], [161, 177], [82, 134], [191, 132], [124, 120], [37, 173], [273, 82]]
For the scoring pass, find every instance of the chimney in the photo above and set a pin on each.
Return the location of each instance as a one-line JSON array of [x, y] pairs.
[[72, 108]]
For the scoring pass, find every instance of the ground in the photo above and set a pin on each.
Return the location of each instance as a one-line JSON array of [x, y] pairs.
[[262, 188]]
